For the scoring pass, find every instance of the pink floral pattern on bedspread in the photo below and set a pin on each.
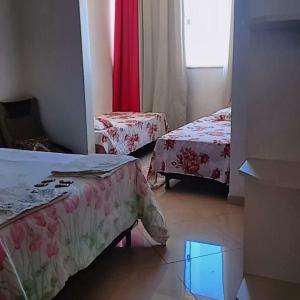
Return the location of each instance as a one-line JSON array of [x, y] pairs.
[[41, 250], [130, 131], [201, 148]]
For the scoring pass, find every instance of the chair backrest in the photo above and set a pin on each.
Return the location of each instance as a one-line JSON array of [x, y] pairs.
[[20, 120]]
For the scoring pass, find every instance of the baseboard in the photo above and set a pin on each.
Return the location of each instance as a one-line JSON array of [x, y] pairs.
[[236, 200]]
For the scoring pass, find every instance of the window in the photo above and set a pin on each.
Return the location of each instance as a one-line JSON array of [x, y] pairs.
[[207, 32]]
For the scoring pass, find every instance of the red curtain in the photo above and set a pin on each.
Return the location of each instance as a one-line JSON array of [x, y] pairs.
[[126, 86]]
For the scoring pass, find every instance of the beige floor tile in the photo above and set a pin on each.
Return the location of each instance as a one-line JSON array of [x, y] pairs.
[[232, 225], [117, 260], [152, 283], [219, 232], [209, 277], [185, 206], [141, 254]]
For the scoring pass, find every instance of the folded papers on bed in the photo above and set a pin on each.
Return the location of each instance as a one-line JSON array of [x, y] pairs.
[[17, 200], [94, 164]]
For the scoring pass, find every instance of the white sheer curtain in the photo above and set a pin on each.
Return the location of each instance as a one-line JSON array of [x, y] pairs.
[[163, 71]]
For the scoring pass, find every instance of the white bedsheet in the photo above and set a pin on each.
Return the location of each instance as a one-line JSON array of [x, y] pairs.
[[23, 168]]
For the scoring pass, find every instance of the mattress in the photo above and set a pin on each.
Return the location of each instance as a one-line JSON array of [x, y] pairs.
[[127, 132], [200, 149], [39, 251]]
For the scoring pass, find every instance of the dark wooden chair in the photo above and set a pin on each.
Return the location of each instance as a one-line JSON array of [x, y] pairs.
[[21, 127], [2, 144]]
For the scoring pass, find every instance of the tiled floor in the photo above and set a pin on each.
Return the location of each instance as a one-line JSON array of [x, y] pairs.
[[202, 260]]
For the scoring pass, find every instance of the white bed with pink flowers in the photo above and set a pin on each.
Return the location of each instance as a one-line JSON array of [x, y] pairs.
[[42, 245], [198, 149], [126, 132]]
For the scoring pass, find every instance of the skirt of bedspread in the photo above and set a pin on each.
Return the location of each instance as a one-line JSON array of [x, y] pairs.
[[40, 251]]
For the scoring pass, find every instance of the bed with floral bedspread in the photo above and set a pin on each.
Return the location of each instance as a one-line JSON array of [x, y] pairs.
[[126, 132], [201, 149], [40, 250]]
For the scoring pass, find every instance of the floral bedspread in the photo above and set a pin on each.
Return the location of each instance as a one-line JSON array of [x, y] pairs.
[[201, 148], [129, 131], [41, 250]]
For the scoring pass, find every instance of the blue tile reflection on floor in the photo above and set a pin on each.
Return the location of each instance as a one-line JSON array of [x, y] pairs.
[[204, 277]]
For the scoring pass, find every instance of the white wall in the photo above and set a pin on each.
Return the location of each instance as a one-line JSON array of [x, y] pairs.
[[100, 39], [266, 93], [97, 43], [273, 126], [43, 44], [206, 92], [11, 75], [54, 68], [240, 98]]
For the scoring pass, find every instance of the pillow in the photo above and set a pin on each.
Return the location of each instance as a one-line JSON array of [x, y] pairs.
[[101, 123], [223, 114]]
